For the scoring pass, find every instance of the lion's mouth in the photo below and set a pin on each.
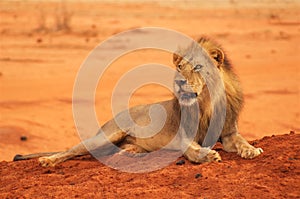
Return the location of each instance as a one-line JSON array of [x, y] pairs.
[[188, 95], [187, 98]]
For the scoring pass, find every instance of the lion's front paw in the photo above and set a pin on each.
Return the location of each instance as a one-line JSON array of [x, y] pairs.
[[213, 156], [249, 152], [203, 155], [46, 162]]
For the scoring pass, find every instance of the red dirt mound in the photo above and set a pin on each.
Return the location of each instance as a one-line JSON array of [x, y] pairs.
[[274, 174]]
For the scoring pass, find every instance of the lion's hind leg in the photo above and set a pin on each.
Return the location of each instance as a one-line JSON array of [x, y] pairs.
[[52, 160], [236, 143], [19, 157], [132, 149], [83, 148]]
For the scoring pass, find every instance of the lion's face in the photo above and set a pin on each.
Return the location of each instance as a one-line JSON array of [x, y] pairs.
[[192, 67], [188, 83]]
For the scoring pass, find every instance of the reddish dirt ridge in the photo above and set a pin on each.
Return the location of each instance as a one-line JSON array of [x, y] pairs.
[[40, 56], [274, 174]]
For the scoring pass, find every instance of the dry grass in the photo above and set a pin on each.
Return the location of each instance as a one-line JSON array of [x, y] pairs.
[[61, 19]]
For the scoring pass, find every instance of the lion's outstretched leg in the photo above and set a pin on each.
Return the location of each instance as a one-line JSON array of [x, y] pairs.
[[63, 156], [83, 148], [236, 143], [197, 154], [19, 157], [132, 150]]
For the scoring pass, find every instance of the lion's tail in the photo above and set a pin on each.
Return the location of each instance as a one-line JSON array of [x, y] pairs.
[[19, 157]]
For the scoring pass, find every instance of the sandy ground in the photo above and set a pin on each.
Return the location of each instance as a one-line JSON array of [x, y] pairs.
[[274, 174], [39, 63]]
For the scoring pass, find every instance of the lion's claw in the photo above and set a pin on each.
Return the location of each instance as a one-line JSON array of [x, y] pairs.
[[213, 156], [250, 152], [46, 162], [204, 155]]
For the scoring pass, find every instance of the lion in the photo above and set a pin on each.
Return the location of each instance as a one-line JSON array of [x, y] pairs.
[[191, 93]]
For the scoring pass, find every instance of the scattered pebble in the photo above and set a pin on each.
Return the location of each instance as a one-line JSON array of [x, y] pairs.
[[180, 162], [23, 138], [39, 40], [273, 51], [48, 171], [198, 175], [61, 173]]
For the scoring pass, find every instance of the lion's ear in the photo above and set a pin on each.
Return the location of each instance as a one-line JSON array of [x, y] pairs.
[[176, 58], [218, 55]]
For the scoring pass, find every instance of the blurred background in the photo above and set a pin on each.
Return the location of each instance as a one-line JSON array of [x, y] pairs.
[[43, 44]]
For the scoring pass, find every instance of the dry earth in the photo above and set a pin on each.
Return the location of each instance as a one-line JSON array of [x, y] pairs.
[[274, 174], [43, 44]]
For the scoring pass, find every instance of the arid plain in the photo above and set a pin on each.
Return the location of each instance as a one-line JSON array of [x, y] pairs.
[[43, 45]]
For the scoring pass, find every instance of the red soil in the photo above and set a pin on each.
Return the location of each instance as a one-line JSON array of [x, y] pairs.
[[38, 67], [274, 174]]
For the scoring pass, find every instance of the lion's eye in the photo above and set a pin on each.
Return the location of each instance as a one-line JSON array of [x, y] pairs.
[[198, 67], [179, 66]]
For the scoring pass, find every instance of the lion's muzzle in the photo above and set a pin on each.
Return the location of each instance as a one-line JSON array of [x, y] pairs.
[[184, 92]]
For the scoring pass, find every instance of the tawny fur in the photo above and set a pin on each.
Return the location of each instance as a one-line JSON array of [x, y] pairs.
[[126, 137]]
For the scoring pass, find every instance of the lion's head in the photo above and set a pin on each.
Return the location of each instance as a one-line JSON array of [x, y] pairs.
[[204, 63], [193, 69]]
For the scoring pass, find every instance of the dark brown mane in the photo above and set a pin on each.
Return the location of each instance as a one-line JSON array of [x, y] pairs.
[[209, 43], [234, 94]]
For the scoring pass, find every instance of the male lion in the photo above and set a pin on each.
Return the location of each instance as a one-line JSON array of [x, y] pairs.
[[190, 90]]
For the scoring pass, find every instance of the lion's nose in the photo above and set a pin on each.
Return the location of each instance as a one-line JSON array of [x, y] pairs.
[[180, 82]]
